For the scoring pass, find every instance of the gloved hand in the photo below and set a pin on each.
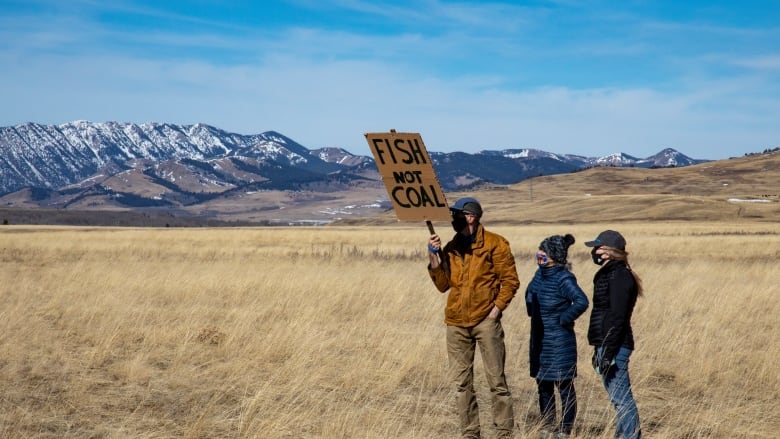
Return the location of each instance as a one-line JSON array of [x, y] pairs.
[[601, 363]]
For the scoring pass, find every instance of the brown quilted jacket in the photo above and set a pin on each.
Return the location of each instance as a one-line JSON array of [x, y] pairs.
[[480, 277]]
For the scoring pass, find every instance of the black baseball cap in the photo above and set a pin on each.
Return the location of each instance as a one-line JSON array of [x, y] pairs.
[[467, 204], [610, 238]]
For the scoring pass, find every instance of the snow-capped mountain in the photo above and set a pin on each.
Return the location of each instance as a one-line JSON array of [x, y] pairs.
[[165, 165], [617, 159], [53, 156], [341, 156], [507, 166], [664, 159], [668, 158]]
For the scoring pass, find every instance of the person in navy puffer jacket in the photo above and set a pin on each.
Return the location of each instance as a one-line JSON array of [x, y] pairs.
[[554, 301]]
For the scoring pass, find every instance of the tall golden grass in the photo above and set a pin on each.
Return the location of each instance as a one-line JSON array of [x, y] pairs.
[[337, 332]]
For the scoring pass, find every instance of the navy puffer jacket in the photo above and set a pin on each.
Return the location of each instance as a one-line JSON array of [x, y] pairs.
[[554, 301]]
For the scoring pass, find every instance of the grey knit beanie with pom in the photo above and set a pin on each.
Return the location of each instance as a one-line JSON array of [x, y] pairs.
[[557, 247]]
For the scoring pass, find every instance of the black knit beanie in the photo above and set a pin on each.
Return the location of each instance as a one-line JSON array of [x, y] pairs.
[[557, 247]]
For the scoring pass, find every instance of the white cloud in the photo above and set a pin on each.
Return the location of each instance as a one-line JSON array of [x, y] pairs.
[[326, 87], [767, 63], [333, 104]]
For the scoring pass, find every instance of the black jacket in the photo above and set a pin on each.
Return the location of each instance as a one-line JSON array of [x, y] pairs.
[[614, 297]]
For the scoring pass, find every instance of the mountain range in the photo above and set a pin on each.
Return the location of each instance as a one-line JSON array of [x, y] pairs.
[[112, 165]]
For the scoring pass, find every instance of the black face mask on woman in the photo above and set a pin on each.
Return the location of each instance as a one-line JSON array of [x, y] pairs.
[[596, 257]]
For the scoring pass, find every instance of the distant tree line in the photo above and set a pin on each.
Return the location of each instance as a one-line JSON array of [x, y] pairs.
[[766, 151]]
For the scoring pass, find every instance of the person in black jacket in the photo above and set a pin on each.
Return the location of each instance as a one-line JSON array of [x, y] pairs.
[[554, 301], [615, 291]]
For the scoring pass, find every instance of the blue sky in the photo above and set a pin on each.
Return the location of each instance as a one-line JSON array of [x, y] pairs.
[[582, 77]]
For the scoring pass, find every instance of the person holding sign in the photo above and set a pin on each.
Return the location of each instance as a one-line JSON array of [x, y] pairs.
[[481, 280]]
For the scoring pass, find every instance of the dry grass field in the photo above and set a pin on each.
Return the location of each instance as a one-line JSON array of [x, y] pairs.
[[337, 332]]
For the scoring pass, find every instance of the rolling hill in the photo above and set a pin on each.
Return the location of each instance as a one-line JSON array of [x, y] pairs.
[[732, 190]]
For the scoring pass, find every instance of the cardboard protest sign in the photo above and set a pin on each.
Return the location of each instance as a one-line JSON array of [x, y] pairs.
[[408, 175]]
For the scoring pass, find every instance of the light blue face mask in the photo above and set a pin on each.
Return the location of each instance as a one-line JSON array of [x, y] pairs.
[[541, 259]]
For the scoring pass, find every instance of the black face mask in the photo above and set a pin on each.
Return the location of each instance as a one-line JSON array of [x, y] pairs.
[[596, 258], [459, 223]]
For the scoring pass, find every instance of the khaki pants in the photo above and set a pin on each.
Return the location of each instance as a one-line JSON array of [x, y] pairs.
[[461, 344]]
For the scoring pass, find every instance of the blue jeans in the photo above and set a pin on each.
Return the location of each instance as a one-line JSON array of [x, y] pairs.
[[618, 386]]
